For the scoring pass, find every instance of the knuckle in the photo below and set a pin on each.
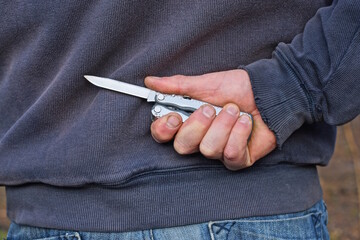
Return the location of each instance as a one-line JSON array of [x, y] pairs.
[[234, 160], [182, 147], [231, 154], [176, 81], [210, 151], [178, 77], [181, 87]]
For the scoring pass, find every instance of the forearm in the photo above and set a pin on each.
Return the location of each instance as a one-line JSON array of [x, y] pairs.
[[315, 78]]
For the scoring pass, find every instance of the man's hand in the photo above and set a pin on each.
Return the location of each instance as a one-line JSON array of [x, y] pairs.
[[223, 137]]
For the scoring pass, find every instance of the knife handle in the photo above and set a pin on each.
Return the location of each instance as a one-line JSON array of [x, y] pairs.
[[159, 111], [181, 104]]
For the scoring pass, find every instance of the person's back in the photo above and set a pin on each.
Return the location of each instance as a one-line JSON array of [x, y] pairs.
[[74, 156]]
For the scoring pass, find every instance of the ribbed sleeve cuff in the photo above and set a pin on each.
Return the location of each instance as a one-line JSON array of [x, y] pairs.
[[280, 96]]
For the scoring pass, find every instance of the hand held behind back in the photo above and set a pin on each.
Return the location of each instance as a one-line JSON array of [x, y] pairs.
[[223, 137]]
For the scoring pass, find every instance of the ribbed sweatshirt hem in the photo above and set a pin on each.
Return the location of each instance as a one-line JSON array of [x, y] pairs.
[[282, 99], [164, 199]]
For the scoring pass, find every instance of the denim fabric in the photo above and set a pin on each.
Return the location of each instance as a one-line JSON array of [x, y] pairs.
[[309, 224]]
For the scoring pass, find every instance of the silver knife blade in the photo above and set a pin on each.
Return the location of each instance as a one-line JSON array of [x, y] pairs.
[[122, 87]]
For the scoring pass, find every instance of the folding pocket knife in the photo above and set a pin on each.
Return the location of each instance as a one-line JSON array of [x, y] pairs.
[[164, 103]]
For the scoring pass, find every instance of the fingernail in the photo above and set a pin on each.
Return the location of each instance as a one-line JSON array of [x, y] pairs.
[[173, 122], [244, 119], [208, 111], [233, 110]]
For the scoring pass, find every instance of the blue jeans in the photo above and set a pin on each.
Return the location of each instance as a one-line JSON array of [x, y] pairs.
[[309, 224]]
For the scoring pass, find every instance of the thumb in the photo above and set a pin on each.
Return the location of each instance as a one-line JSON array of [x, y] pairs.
[[198, 87]]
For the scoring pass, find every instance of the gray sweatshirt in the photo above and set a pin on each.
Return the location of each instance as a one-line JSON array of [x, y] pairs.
[[74, 156]]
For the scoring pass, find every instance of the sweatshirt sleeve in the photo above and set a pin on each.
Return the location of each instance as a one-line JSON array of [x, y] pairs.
[[314, 78]]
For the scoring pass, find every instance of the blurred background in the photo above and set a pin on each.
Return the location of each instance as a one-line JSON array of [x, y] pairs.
[[340, 181]]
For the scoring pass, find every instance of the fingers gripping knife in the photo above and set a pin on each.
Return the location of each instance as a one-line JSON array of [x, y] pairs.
[[164, 103]]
